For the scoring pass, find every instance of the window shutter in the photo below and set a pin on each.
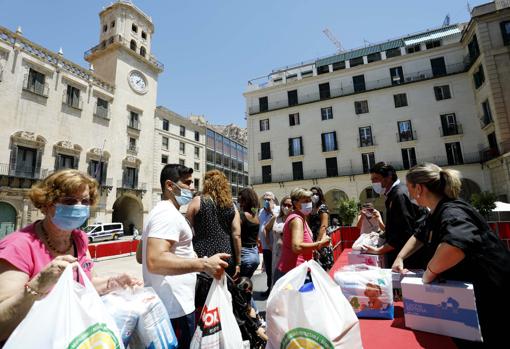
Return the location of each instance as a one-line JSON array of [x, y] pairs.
[[90, 169], [301, 148], [459, 152], [124, 177], [323, 138], [58, 162], [290, 147], [413, 156], [364, 159], [104, 171], [449, 153], [76, 162], [334, 140], [135, 184], [444, 124], [405, 158], [38, 161], [13, 158], [437, 92]]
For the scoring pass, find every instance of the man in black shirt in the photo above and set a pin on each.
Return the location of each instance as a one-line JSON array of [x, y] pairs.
[[402, 216]]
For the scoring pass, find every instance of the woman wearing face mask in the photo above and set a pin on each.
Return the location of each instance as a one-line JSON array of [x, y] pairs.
[[33, 258], [298, 245], [319, 222], [464, 247], [275, 228]]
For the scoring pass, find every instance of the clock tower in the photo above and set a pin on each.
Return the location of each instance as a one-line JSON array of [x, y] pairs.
[[124, 59]]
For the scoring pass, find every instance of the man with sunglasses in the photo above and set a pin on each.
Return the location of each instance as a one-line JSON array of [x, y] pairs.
[[168, 260]]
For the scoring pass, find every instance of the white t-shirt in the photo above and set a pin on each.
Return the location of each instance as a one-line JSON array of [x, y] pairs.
[[176, 291], [264, 218]]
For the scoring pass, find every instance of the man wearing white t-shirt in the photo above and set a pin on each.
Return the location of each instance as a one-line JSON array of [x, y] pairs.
[[168, 260]]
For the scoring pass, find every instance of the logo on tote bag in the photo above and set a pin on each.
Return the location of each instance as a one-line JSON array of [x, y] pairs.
[[97, 336], [299, 338], [210, 321]]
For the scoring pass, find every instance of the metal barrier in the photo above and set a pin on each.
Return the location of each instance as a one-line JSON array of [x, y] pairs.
[[113, 248]]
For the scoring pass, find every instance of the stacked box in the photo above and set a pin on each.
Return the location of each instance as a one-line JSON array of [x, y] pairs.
[[356, 257], [446, 308]]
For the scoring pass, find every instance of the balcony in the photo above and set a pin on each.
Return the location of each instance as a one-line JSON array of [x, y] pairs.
[[20, 177], [119, 40], [451, 130], [75, 103], [406, 136], [102, 112], [366, 142], [35, 87], [124, 186], [266, 156], [485, 120], [470, 158], [489, 154], [132, 149], [134, 124], [349, 89]]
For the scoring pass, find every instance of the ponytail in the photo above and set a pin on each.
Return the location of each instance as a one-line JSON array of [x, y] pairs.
[[450, 183], [444, 182]]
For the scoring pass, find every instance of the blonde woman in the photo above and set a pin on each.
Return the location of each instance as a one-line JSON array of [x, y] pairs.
[[463, 246], [298, 245], [33, 258]]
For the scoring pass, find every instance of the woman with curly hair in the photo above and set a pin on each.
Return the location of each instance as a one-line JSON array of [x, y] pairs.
[[217, 225], [33, 258]]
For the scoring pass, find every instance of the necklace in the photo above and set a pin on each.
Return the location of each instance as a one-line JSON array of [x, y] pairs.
[[51, 246]]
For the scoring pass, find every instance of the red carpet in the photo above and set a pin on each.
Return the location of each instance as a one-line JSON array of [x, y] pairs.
[[392, 334]]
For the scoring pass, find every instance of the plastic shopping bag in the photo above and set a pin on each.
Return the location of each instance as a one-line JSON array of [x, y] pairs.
[[217, 327], [372, 239], [141, 317], [312, 315], [368, 289], [72, 316]]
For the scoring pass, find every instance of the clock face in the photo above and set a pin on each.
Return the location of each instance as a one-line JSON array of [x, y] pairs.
[[137, 82]]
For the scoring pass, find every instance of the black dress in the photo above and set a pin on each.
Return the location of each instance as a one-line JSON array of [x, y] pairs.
[[486, 264], [213, 231]]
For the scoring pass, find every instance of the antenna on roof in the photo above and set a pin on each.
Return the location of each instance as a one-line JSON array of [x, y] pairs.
[[366, 42], [333, 39], [446, 21], [468, 7]]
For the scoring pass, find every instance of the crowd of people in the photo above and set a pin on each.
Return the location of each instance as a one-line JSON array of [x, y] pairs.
[[426, 226]]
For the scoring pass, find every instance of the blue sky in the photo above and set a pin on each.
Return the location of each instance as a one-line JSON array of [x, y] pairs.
[[211, 48]]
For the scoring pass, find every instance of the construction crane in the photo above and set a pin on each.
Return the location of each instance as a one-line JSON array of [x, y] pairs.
[[446, 21], [334, 40]]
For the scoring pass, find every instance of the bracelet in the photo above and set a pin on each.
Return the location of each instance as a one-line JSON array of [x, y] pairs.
[[33, 291], [428, 268]]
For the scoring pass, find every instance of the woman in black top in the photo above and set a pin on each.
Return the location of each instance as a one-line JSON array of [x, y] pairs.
[[464, 248], [249, 205], [318, 221]]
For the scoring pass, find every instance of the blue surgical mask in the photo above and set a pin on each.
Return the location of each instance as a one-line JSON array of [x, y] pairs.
[[306, 208], [377, 187], [185, 197], [267, 204], [69, 217]]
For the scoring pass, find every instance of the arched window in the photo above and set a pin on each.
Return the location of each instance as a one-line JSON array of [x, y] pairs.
[[132, 45], [142, 51]]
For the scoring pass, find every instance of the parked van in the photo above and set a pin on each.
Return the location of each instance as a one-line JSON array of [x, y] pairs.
[[104, 231]]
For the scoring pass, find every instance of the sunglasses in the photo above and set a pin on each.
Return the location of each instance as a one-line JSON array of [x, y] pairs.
[[287, 205], [71, 200]]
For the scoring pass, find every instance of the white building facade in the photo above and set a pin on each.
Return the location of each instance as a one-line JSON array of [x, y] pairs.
[[57, 114], [404, 101]]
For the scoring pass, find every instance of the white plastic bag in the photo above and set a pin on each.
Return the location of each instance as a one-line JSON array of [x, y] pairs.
[[310, 316], [217, 327], [372, 239], [369, 290], [72, 316], [141, 317]]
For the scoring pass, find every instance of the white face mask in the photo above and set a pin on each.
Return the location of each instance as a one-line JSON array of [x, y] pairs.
[[315, 199], [306, 208], [285, 210], [377, 187]]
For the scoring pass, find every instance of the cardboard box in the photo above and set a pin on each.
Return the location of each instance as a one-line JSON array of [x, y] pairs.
[[356, 257], [396, 278], [444, 308]]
